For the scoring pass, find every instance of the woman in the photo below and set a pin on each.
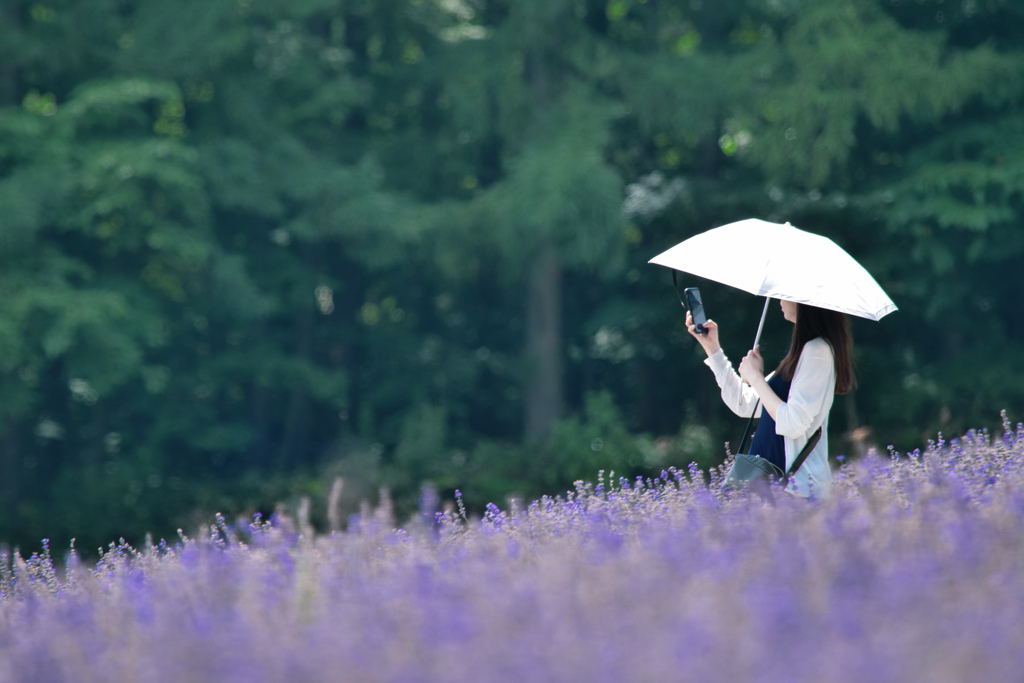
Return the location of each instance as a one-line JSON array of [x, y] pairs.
[[796, 398]]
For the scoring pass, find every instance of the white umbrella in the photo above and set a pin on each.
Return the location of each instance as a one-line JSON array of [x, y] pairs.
[[781, 262]]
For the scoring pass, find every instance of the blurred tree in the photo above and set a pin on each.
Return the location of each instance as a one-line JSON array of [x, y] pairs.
[[404, 238], [163, 331], [546, 199], [854, 119], [93, 235]]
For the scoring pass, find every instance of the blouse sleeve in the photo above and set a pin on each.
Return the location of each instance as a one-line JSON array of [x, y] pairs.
[[813, 384], [739, 397]]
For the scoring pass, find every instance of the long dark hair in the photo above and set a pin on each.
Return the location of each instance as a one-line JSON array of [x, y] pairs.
[[833, 327]]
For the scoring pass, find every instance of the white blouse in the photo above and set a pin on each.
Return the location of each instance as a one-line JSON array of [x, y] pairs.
[[810, 398]]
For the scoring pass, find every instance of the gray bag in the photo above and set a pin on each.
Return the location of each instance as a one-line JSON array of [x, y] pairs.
[[747, 468]]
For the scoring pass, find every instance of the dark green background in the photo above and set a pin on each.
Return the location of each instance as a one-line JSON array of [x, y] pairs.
[[249, 246]]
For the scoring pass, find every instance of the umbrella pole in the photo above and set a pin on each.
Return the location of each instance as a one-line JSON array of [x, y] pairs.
[[757, 339]]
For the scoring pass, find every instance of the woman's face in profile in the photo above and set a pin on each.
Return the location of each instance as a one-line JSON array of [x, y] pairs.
[[789, 309]]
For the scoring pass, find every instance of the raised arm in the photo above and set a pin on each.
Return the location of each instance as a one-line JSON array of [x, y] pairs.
[[740, 398]]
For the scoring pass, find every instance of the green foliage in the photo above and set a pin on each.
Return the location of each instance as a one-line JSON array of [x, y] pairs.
[[846, 62], [560, 189], [597, 440], [419, 455], [581, 447], [282, 242]]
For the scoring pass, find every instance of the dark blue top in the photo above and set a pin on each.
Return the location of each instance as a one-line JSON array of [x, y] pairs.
[[766, 443]]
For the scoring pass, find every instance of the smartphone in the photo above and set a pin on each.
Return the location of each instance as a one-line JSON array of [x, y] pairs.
[[696, 306]]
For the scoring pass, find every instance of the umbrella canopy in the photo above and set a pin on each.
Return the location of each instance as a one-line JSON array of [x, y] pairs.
[[781, 262]]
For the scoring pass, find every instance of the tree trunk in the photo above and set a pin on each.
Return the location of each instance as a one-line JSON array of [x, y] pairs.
[[293, 441], [543, 381], [8, 71], [260, 413], [543, 393], [11, 470]]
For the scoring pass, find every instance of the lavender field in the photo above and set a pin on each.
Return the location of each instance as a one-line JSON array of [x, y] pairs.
[[913, 572]]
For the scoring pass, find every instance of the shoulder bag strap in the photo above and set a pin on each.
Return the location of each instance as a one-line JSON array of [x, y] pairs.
[[806, 451], [747, 431], [679, 292], [808, 447]]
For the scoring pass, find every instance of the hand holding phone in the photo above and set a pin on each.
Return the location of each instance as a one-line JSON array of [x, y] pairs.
[[696, 308]]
